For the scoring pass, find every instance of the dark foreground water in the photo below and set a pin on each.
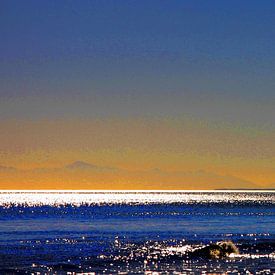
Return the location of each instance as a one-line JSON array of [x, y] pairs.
[[63, 233]]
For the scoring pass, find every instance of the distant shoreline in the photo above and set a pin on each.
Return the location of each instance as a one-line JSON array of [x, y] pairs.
[[246, 189]]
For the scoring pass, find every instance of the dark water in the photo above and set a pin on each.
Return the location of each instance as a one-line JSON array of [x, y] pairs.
[[137, 237]]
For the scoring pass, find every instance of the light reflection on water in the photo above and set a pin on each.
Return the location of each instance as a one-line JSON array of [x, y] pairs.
[[129, 197]]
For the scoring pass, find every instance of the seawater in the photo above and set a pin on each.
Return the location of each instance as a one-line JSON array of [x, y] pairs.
[[65, 232]]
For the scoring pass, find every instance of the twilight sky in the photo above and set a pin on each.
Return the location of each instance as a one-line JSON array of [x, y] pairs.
[[172, 94]]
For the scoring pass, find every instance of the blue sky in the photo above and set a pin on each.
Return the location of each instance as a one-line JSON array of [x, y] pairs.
[[134, 58]]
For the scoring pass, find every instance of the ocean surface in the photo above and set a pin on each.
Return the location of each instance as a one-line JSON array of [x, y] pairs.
[[135, 232]]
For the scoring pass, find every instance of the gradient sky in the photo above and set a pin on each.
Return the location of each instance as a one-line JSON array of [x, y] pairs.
[[182, 86]]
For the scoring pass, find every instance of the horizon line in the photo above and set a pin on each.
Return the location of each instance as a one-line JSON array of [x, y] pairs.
[[134, 191]]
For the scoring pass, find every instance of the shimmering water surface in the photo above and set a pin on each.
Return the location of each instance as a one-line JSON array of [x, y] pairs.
[[135, 232]]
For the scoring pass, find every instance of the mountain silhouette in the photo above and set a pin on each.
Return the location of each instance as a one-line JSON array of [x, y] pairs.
[[81, 165], [7, 168], [87, 166]]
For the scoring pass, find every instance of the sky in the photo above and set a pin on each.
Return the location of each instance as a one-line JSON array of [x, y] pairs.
[[142, 94]]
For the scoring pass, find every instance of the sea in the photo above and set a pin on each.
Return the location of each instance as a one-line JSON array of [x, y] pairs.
[[135, 232]]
